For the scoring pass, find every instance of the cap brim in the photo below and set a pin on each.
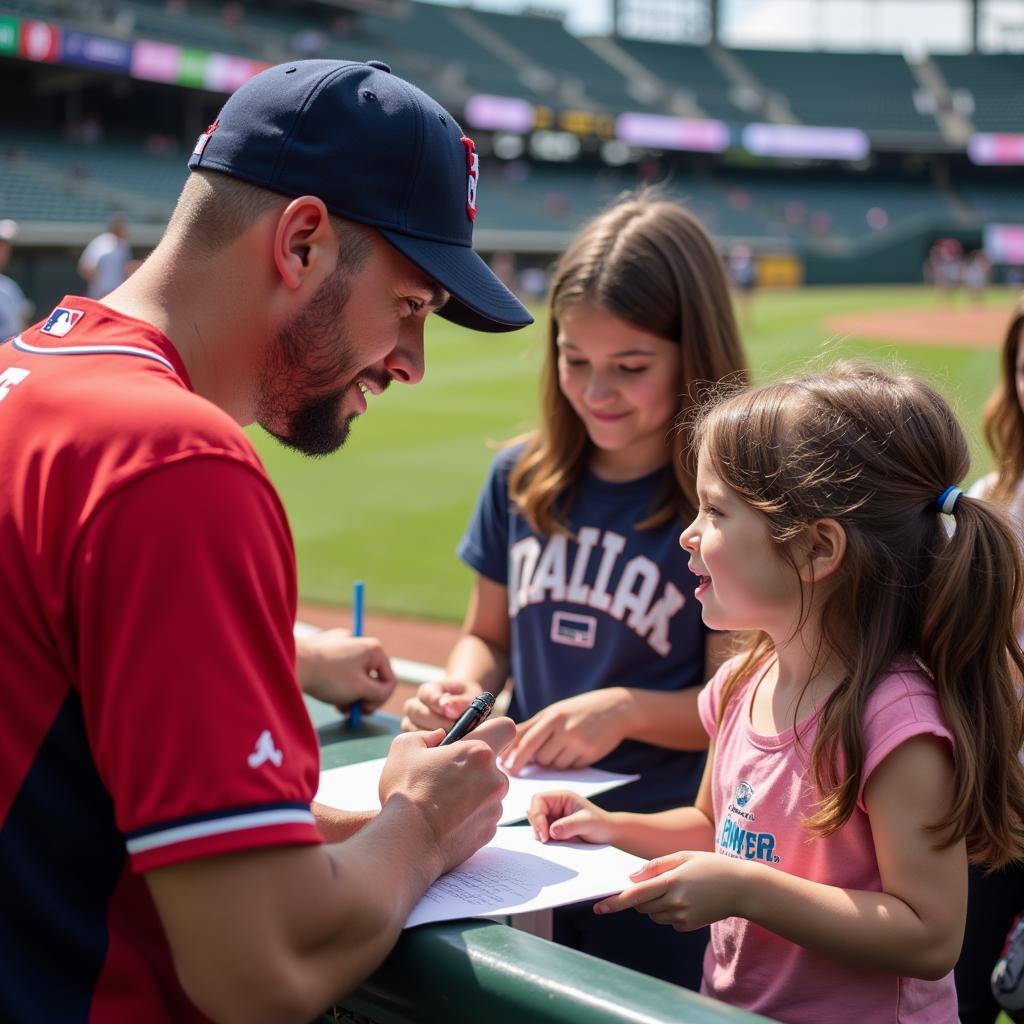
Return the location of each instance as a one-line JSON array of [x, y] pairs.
[[478, 300]]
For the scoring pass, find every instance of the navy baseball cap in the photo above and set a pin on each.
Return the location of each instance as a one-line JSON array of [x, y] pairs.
[[376, 150]]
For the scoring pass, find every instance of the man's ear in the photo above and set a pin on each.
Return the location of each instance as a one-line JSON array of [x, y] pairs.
[[824, 550], [304, 244]]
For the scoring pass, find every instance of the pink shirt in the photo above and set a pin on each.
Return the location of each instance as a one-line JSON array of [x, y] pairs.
[[761, 792]]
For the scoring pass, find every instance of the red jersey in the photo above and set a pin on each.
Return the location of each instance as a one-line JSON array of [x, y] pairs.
[[147, 664]]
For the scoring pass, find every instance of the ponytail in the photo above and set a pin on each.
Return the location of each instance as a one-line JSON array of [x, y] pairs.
[[978, 669]]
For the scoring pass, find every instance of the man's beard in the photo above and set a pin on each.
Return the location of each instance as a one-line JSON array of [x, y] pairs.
[[311, 353]]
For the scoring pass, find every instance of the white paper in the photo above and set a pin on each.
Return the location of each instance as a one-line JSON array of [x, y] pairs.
[[515, 873], [353, 787]]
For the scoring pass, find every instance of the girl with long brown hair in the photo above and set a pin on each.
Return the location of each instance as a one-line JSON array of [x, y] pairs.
[[996, 898], [864, 742], [581, 592]]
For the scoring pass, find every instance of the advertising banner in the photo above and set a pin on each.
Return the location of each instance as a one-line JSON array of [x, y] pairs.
[[39, 41], [85, 50]]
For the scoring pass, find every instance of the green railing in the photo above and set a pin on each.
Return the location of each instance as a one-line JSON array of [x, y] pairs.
[[468, 972]]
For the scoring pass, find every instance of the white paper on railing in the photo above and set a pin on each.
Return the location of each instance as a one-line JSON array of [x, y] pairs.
[[353, 787], [515, 874]]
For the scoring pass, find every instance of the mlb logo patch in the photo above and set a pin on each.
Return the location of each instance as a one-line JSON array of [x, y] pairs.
[[573, 630], [61, 320]]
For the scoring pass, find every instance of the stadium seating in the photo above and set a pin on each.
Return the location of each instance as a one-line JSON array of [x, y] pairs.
[[689, 68], [871, 91], [47, 179], [798, 209], [582, 75], [431, 41], [1000, 201], [996, 83], [456, 52]]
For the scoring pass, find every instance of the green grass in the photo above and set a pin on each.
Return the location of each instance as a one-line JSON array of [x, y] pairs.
[[391, 506]]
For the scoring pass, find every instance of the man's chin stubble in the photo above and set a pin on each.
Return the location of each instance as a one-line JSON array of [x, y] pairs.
[[314, 431]]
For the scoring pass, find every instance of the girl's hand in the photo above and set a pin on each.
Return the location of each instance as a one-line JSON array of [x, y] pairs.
[[570, 733], [685, 890], [565, 815], [437, 705]]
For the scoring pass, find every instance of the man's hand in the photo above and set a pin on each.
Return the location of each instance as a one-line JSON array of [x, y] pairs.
[[457, 790], [340, 669], [437, 705]]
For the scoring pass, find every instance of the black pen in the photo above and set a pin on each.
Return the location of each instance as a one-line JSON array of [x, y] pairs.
[[477, 711]]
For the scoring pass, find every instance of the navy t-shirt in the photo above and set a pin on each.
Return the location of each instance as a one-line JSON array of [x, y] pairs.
[[609, 606]]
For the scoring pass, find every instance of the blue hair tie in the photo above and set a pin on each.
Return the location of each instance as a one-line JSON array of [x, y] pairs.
[[946, 501]]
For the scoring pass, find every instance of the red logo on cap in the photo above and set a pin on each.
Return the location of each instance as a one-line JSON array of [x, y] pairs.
[[473, 166], [204, 139]]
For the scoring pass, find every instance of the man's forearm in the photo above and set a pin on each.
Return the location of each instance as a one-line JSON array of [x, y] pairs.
[[336, 825]]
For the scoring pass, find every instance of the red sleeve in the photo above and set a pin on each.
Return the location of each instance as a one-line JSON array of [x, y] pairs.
[[184, 598]]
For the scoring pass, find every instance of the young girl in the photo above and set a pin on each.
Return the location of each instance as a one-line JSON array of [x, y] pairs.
[[581, 592], [995, 898], [864, 744]]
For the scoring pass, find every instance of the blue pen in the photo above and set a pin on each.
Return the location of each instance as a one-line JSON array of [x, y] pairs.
[[355, 712]]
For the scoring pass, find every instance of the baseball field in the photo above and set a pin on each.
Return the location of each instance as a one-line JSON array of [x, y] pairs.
[[391, 506]]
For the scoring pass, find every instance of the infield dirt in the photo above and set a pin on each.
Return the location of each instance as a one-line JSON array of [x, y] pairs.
[[959, 327]]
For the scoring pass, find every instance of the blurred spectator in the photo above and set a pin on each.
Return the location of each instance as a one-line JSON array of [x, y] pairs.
[[556, 203], [503, 264], [102, 263], [309, 42], [15, 309], [795, 213], [90, 131], [533, 282], [232, 13], [943, 267], [1008, 976], [877, 218], [976, 271], [158, 142], [742, 269], [984, 979], [821, 222]]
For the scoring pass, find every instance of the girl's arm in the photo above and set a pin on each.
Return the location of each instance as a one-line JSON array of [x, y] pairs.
[[566, 815], [671, 719], [479, 661], [913, 927]]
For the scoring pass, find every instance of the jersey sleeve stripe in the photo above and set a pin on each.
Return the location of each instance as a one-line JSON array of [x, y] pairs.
[[218, 814], [218, 826]]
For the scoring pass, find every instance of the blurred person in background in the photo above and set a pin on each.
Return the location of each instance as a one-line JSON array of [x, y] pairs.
[[743, 274], [976, 272], [103, 264], [996, 898], [15, 309]]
